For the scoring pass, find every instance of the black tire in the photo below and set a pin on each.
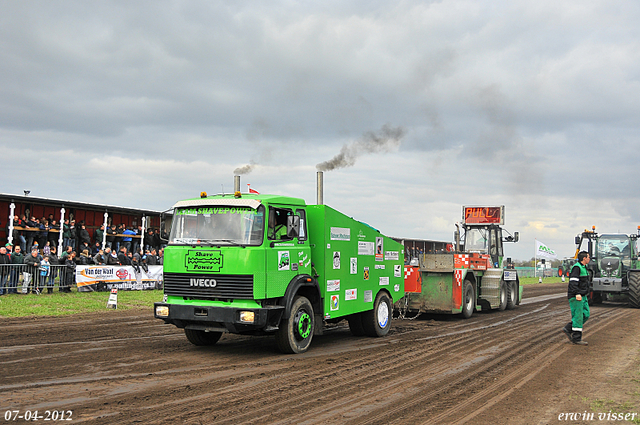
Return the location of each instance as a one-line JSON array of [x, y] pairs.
[[468, 300], [202, 338], [634, 289], [504, 296], [377, 322], [355, 324], [512, 295], [296, 332], [596, 298]]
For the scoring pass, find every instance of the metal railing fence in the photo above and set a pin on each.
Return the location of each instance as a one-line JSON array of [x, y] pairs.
[[23, 278]]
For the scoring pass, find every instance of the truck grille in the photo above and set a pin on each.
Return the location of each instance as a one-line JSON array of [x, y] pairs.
[[227, 286]]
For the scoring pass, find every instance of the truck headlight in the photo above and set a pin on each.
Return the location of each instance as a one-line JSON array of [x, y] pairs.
[[162, 311], [247, 316]]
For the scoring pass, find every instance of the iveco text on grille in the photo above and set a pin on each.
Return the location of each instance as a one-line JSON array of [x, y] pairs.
[[207, 283]]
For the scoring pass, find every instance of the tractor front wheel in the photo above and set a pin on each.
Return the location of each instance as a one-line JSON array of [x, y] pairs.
[[634, 289]]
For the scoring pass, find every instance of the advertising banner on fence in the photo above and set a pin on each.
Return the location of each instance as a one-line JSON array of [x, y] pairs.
[[102, 278]]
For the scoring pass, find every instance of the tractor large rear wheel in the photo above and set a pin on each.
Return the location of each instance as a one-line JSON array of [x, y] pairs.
[[634, 289]]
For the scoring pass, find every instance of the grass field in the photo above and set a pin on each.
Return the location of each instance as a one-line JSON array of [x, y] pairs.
[[534, 280], [60, 304]]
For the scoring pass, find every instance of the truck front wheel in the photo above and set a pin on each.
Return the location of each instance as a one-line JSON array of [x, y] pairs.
[[296, 332], [202, 338], [377, 322]]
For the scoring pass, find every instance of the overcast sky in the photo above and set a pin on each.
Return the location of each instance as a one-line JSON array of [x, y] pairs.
[[434, 105]]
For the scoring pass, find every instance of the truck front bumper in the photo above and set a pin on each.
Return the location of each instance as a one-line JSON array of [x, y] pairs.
[[608, 284], [220, 319]]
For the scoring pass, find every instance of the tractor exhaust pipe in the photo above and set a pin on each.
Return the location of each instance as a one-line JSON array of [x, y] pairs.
[[320, 188], [236, 184]]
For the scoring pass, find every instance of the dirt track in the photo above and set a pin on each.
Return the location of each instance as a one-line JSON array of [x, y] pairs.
[[497, 367]]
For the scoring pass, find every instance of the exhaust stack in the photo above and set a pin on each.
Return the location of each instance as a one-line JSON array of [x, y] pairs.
[[320, 189], [236, 184]]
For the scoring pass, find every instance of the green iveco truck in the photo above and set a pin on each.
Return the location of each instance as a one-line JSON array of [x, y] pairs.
[[265, 264]]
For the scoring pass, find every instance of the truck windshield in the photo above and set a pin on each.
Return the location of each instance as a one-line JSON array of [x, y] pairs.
[[476, 240], [217, 226], [614, 245]]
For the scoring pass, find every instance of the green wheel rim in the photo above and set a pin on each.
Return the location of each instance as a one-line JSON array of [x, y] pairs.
[[303, 322]]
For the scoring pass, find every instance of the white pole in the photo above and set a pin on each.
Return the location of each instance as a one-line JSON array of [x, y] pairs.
[[144, 223], [12, 209], [60, 237], [535, 261], [104, 233]]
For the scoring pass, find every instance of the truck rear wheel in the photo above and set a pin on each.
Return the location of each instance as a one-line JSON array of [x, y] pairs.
[[377, 322], [634, 289], [296, 332], [469, 300], [202, 338], [503, 296], [355, 324], [512, 295]]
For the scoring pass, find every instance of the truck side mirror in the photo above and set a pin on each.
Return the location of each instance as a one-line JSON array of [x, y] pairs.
[[577, 240], [516, 237], [293, 226]]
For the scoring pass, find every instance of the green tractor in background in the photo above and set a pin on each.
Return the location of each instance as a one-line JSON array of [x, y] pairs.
[[614, 265]]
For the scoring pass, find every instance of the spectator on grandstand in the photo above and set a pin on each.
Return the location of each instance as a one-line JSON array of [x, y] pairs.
[[158, 239], [148, 239], [126, 240], [112, 258], [5, 265], [72, 234], [43, 234], [54, 233], [152, 257], [67, 251], [83, 237], [98, 235], [84, 247], [31, 225], [161, 256], [136, 243], [16, 258], [18, 235], [99, 259], [46, 249], [66, 233], [123, 259], [84, 259], [111, 238]]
